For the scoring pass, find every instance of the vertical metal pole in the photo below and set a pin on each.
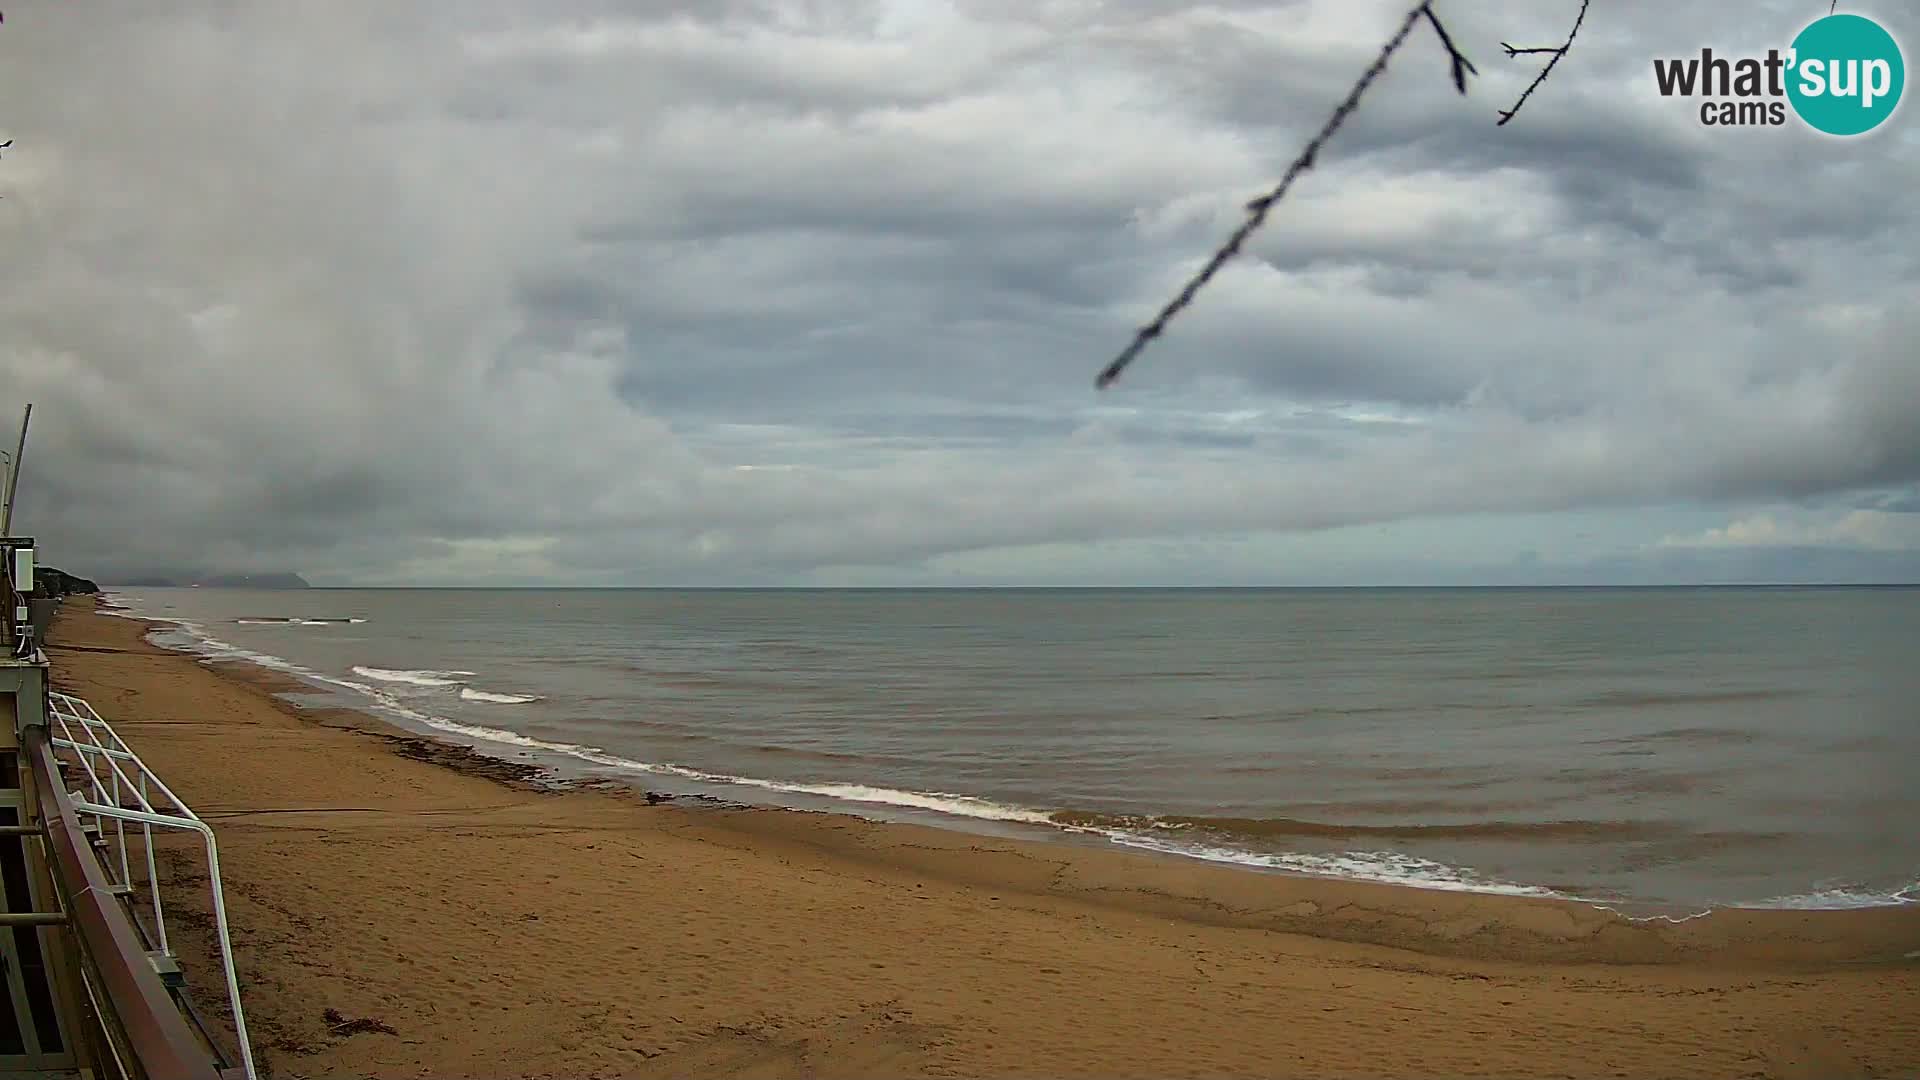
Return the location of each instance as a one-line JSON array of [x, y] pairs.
[[64, 966], [13, 475], [153, 868]]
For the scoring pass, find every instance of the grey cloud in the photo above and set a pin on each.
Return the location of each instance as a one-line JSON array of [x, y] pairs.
[[378, 291], [1893, 502], [1781, 566]]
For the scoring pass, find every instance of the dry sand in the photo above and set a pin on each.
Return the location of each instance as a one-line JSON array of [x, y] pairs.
[[503, 930]]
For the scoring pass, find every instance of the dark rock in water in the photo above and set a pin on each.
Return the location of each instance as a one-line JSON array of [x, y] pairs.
[[51, 584], [470, 761]]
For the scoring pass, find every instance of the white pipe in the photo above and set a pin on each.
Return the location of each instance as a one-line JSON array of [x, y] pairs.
[[153, 874], [120, 835], [158, 782], [89, 748]]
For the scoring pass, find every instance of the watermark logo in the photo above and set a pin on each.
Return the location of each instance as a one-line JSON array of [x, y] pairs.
[[1851, 74], [1842, 75]]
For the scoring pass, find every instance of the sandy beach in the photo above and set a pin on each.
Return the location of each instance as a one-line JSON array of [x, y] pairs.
[[498, 928]]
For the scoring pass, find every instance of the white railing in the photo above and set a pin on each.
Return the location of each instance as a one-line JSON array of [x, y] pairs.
[[90, 738]]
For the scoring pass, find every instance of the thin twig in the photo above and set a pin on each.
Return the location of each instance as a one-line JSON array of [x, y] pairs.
[[1548, 70], [1258, 209], [1513, 52], [1461, 65]]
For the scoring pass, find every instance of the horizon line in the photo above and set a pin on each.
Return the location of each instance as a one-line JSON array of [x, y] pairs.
[[1054, 588]]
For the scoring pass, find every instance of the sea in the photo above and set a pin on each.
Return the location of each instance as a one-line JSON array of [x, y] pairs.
[[1659, 751]]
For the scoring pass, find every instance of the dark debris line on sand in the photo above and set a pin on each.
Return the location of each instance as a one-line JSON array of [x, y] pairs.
[[338, 1024]]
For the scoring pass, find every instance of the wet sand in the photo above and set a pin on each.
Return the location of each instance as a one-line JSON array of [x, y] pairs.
[[499, 928]]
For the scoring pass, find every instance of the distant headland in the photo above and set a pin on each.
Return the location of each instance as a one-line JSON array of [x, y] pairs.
[[52, 584], [283, 580]]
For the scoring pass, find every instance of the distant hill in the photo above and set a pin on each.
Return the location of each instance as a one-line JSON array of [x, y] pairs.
[[255, 581], [285, 580], [49, 583]]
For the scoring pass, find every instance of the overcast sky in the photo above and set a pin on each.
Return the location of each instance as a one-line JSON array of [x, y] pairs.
[[814, 292]]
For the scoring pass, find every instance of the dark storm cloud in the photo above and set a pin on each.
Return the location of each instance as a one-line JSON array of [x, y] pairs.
[[736, 291]]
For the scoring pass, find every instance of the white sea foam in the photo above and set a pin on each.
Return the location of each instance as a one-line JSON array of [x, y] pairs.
[[114, 604], [1840, 899], [1389, 867], [212, 649], [468, 693], [939, 802], [1643, 917], [413, 677]]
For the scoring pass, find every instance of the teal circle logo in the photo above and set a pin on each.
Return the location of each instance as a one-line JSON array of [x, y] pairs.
[[1847, 74]]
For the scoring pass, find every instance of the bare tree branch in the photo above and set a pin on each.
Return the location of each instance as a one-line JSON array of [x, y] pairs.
[[1508, 114], [1513, 52], [1258, 209], [1462, 67]]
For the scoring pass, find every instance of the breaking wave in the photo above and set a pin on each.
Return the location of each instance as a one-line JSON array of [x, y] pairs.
[[1843, 898], [1291, 827], [420, 677], [468, 693]]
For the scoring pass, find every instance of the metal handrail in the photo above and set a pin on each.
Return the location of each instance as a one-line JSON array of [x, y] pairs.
[[102, 742], [155, 1031], [65, 709]]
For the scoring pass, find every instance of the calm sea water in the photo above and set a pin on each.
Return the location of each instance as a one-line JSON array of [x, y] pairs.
[[1674, 747]]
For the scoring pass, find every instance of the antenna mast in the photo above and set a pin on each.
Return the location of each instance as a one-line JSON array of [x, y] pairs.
[[13, 475]]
